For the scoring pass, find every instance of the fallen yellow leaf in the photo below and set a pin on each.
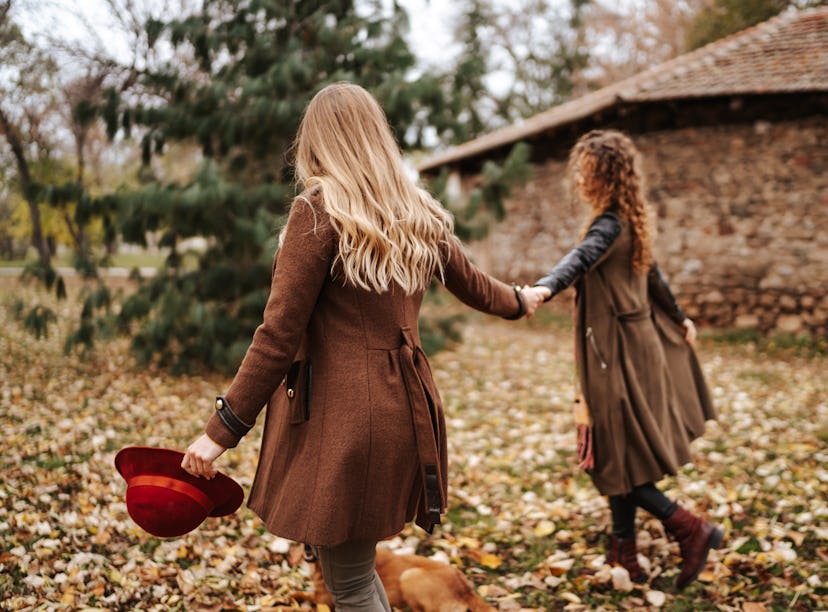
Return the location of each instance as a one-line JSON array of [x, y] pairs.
[[732, 558], [491, 561], [467, 542], [68, 598], [544, 528]]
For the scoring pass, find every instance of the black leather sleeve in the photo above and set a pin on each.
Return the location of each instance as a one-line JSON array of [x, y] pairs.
[[602, 233], [660, 293]]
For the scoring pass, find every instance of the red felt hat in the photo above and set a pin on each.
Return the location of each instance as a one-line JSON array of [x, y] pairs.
[[167, 501]]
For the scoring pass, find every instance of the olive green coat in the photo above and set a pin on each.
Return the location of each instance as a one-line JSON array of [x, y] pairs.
[[358, 427], [641, 381]]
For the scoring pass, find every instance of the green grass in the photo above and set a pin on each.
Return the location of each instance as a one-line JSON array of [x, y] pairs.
[[119, 260], [765, 377], [556, 318], [149, 545], [138, 260], [774, 345]]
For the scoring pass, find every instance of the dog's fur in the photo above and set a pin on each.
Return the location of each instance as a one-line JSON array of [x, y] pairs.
[[418, 583]]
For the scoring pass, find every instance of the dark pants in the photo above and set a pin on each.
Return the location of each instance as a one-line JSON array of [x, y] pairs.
[[645, 496], [350, 574]]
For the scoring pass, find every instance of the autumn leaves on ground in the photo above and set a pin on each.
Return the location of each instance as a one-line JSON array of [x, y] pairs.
[[524, 524]]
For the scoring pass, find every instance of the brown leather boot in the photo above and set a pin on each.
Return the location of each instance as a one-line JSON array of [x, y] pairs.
[[695, 537], [622, 552]]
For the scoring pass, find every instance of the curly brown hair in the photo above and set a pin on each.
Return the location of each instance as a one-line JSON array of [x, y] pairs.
[[604, 168]]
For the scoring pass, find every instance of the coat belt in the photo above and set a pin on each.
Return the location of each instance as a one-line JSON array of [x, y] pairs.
[[634, 315], [426, 422]]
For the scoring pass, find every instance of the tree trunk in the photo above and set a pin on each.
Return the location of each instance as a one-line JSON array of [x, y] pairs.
[[38, 240], [81, 241]]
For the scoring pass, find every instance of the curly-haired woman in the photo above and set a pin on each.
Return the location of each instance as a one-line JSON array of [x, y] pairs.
[[645, 395]]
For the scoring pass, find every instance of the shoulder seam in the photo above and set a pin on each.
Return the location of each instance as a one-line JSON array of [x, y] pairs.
[[611, 219]]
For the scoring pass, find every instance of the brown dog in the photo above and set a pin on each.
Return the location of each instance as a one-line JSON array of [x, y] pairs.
[[418, 583]]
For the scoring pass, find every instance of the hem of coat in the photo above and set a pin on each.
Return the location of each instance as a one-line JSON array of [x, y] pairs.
[[302, 536], [691, 436], [610, 491]]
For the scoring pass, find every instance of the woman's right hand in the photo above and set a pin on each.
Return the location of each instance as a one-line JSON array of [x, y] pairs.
[[689, 331], [199, 457]]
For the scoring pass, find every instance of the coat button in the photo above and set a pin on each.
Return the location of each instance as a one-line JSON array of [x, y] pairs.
[[290, 393]]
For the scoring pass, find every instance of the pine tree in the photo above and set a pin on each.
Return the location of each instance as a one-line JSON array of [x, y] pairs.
[[470, 99], [253, 67]]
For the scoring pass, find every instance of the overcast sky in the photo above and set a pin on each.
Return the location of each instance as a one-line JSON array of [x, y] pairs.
[[430, 35], [431, 26]]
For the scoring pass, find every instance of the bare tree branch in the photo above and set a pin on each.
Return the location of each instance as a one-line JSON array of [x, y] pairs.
[[13, 137], [639, 38]]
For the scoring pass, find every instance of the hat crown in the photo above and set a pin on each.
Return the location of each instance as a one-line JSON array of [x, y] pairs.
[[164, 499]]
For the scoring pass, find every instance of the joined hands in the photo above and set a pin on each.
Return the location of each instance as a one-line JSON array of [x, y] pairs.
[[533, 297]]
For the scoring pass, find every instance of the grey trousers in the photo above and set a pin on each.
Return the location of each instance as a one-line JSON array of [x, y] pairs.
[[351, 577]]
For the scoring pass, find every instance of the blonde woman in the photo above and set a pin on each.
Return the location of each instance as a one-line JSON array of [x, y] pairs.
[[642, 385], [354, 442]]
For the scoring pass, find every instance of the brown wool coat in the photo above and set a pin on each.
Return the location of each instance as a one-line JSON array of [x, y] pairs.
[[651, 400], [344, 458]]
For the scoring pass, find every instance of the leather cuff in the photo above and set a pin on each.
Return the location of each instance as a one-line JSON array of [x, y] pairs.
[[521, 305], [236, 426]]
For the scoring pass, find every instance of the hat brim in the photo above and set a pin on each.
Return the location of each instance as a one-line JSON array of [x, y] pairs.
[[224, 493]]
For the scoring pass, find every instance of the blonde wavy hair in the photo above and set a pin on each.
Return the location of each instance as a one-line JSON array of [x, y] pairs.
[[604, 168], [390, 230]]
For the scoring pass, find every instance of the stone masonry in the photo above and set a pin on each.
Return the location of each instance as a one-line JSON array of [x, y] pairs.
[[742, 219]]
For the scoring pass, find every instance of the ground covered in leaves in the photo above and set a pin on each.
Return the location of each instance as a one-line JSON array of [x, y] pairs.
[[524, 524]]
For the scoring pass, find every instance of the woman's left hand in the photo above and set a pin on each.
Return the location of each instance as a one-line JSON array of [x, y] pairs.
[[199, 457], [533, 298], [689, 331]]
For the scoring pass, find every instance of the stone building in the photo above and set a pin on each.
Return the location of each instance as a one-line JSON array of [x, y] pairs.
[[734, 141]]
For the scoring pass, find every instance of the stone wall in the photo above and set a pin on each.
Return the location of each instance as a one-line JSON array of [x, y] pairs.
[[742, 218]]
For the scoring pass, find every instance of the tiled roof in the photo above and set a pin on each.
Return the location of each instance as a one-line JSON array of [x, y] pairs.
[[786, 54]]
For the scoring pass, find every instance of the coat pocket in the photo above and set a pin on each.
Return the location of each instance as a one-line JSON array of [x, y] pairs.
[[298, 384]]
